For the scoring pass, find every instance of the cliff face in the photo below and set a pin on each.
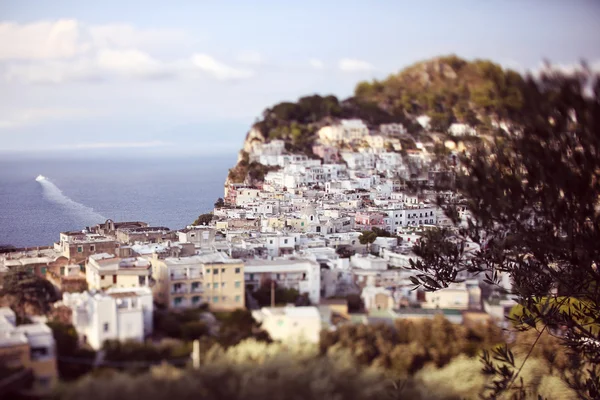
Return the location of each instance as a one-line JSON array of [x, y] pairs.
[[254, 136]]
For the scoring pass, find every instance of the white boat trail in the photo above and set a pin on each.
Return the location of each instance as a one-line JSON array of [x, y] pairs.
[[85, 214]]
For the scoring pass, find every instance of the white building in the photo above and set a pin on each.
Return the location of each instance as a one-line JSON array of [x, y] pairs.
[[461, 130], [118, 314], [393, 129], [290, 324], [346, 131], [460, 296], [300, 274]]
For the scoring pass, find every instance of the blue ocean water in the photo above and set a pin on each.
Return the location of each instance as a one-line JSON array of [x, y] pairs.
[[80, 193]]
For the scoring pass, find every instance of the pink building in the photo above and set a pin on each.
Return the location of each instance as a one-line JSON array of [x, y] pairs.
[[329, 154], [369, 220]]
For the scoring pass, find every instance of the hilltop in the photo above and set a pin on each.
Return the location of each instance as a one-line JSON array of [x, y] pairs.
[[446, 89]]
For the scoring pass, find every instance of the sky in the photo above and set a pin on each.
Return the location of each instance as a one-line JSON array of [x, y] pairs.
[[190, 77]]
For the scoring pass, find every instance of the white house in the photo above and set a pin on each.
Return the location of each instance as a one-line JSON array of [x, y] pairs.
[[300, 274], [460, 296], [290, 324], [461, 130], [118, 314], [346, 130], [393, 129], [105, 270]]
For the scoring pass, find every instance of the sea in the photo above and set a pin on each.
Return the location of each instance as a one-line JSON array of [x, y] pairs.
[[77, 193]]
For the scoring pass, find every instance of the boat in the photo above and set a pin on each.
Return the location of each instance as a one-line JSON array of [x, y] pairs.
[[40, 178]]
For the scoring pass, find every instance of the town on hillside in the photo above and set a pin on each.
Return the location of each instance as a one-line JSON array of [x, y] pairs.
[[320, 241]]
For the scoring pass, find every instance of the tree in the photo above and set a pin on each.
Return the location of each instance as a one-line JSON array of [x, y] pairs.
[[204, 219], [219, 203], [237, 326], [367, 237], [27, 292], [533, 197]]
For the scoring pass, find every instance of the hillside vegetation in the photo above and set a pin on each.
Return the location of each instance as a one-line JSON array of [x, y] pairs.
[[447, 89]]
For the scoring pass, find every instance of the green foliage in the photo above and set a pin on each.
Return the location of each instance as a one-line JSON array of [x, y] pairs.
[[171, 323], [220, 202], [283, 295], [281, 377], [533, 204], [367, 237], [136, 357], [239, 325], [72, 361], [448, 89], [27, 292], [407, 346], [204, 219]]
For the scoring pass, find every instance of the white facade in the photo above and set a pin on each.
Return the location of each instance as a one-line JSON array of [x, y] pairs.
[[105, 270], [118, 314], [290, 324], [346, 130], [300, 274], [461, 130]]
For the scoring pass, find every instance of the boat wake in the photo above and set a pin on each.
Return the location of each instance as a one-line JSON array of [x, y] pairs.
[[85, 214]]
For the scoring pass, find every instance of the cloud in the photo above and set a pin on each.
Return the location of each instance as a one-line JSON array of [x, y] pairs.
[[104, 64], [354, 65], [316, 64], [127, 36], [219, 70], [250, 57], [34, 116], [53, 52], [40, 40], [113, 145]]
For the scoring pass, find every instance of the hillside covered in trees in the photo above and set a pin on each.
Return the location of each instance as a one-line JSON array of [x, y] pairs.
[[447, 89]]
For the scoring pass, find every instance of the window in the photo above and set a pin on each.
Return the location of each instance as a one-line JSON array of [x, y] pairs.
[[238, 298], [80, 249], [271, 241], [39, 352], [114, 279], [43, 270], [208, 270], [92, 247], [251, 277], [193, 235], [141, 280], [223, 270], [278, 276], [178, 300], [196, 299], [215, 299], [105, 327], [216, 271], [238, 284], [102, 277], [285, 241], [237, 270], [222, 284]]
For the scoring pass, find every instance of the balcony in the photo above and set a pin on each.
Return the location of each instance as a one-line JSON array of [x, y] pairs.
[[179, 289], [197, 289], [175, 276]]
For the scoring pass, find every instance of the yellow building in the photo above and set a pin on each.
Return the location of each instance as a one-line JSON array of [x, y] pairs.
[[106, 270], [183, 282]]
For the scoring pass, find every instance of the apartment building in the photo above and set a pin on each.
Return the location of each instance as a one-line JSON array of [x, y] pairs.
[[119, 314], [183, 282], [77, 246], [106, 270]]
